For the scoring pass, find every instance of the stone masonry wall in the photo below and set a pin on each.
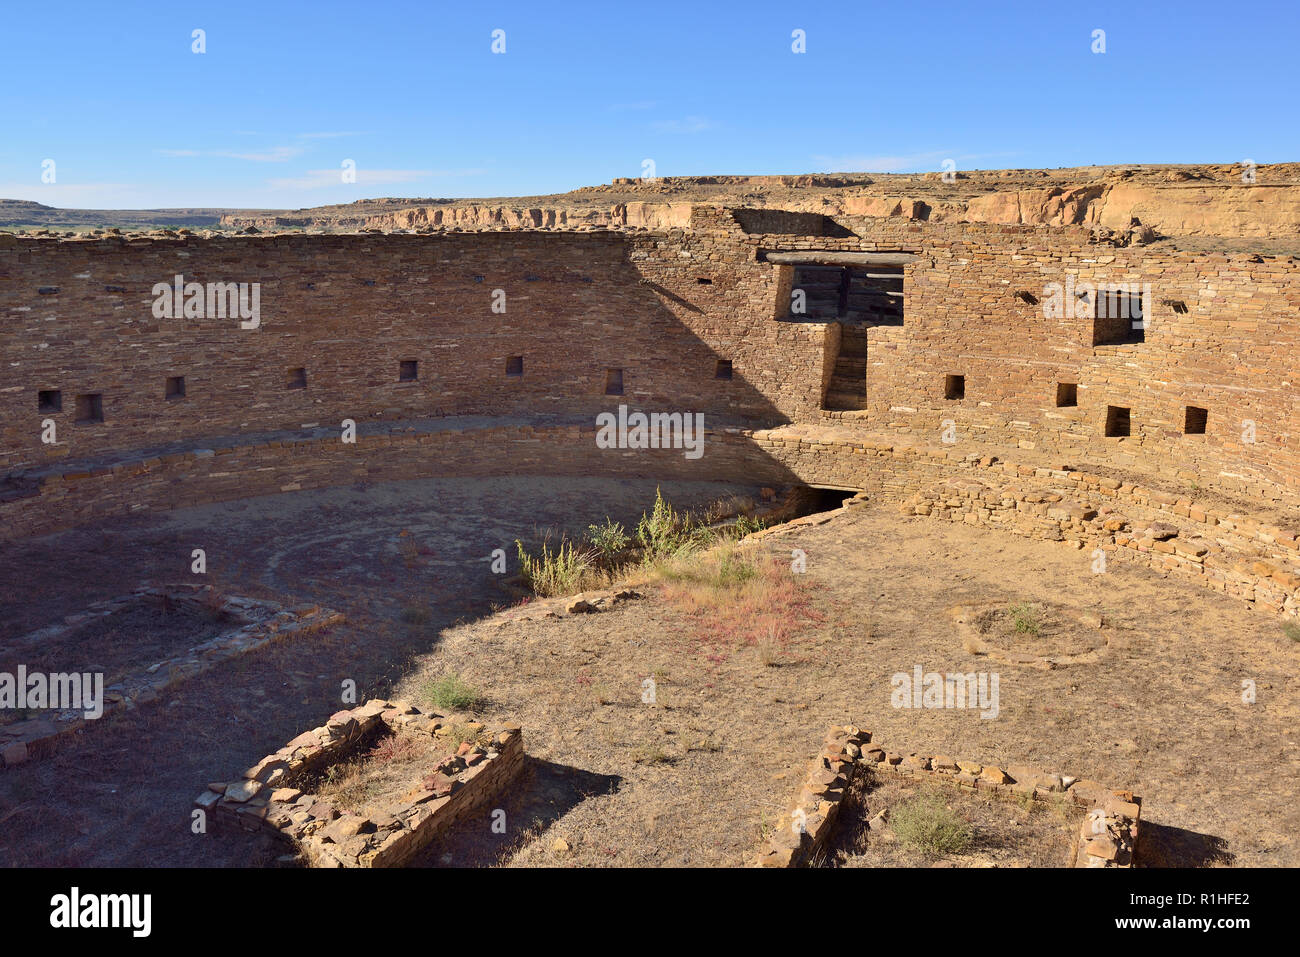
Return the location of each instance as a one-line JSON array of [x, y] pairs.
[[1107, 836], [64, 496], [1222, 331], [668, 308], [77, 318]]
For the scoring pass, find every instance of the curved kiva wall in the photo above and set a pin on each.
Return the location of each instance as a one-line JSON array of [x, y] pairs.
[[1221, 547], [671, 313], [1258, 562], [130, 484], [350, 310]]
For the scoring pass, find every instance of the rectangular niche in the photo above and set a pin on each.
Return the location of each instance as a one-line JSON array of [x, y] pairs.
[[49, 400], [175, 387], [90, 408], [613, 381], [296, 378], [1118, 422], [954, 387], [1119, 319], [515, 366], [1194, 420], [723, 369], [1067, 394], [408, 370]]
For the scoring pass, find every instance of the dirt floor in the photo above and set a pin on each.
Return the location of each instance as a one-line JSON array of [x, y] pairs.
[[1036, 629], [120, 793], [742, 695], [697, 778], [122, 643], [1001, 833]]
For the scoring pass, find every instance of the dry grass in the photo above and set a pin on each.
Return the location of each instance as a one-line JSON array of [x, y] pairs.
[[385, 772], [941, 825], [1036, 628], [738, 598], [927, 824], [1151, 714]]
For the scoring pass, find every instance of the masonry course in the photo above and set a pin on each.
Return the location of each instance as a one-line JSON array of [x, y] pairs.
[[665, 308]]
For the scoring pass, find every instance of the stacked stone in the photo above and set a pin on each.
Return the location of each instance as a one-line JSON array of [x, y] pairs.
[[1223, 559], [1108, 834], [696, 290], [267, 797], [255, 623], [806, 830], [63, 496], [1256, 561]]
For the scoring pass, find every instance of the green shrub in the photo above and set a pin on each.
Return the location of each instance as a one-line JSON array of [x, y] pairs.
[[1024, 617], [608, 539], [451, 693], [561, 572], [666, 533], [925, 823], [1292, 630]]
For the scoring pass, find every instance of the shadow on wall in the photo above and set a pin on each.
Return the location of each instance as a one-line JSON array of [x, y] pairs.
[[359, 327]]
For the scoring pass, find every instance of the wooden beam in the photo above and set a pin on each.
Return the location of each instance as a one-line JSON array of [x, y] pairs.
[[802, 257]]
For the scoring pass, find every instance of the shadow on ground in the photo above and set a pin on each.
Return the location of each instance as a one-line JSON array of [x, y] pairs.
[[542, 794], [1164, 846]]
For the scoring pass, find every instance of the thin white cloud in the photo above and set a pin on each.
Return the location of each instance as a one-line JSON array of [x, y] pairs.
[[325, 178], [689, 124], [275, 154]]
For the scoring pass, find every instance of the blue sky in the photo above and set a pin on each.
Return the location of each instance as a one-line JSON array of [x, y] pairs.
[[412, 93]]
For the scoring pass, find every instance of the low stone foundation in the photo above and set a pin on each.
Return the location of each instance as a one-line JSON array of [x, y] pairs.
[[1107, 837], [270, 796], [1253, 559], [252, 624]]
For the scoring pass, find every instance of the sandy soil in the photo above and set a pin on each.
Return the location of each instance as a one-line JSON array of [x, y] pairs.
[[120, 793], [695, 777], [1004, 833]]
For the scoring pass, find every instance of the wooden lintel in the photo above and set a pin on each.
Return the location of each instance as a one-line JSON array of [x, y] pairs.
[[799, 257]]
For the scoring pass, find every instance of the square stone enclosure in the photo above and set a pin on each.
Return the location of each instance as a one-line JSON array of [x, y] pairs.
[[270, 796], [249, 623], [1107, 835]]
